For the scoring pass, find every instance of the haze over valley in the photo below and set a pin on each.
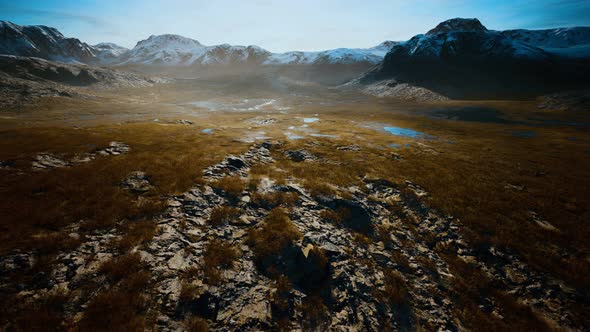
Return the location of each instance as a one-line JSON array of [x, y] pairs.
[[439, 182]]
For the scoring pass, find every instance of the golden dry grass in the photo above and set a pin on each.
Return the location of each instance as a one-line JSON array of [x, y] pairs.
[[275, 236], [218, 256], [221, 215], [466, 179]]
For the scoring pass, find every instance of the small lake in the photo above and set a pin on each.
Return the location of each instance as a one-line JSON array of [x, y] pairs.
[[524, 134], [471, 114], [405, 132]]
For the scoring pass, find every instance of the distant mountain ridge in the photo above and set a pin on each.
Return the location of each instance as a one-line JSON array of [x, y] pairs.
[[462, 59], [178, 51], [43, 42], [175, 50], [167, 50]]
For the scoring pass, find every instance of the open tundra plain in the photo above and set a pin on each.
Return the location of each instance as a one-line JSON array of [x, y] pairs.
[[252, 206], [297, 197]]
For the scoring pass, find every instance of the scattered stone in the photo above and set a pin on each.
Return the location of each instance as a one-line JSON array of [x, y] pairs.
[[114, 149], [6, 164], [262, 121], [137, 182], [514, 187], [184, 122], [395, 156], [355, 270], [299, 155], [49, 161], [352, 147], [542, 222]]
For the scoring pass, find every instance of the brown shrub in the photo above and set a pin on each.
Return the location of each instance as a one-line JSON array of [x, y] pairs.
[[219, 255], [396, 290], [196, 324], [44, 314], [402, 261], [362, 240], [116, 269], [221, 215], [136, 233], [274, 199], [188, 292], [232, 186], [315, 313], [273, 238], [115, 310], [428, 264], [336, 216], [280, 303]]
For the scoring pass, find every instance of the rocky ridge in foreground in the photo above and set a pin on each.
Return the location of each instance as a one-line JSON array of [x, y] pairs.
[[388, 263]]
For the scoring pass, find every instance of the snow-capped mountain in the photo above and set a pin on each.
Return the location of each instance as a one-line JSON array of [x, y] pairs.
[[461, 58], [174, 50], [371, 55], [107, 53], [231, 54], [164, 50], [43, 42], [570, 42]]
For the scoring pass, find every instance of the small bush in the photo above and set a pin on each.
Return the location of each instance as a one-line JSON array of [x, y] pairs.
[[280, 303], [188, 293], [274, 199], [336, 216], [45, 314], [276, 235], [218, 256], [136, 233], [221, 215], [396, 290], [402, 261], [196, 324], [362, 240], [115, 310], [116, 269], [315, 313], [232, 186]]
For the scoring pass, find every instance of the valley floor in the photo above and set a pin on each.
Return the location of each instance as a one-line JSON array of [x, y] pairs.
[[201, 205]]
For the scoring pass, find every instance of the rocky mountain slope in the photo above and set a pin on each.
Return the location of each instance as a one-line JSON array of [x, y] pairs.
[[27, 78], [108, 53], [460, 58], [43, 42], [572, 42]]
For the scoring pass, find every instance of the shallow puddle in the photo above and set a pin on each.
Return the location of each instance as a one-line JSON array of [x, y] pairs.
[[311, 120], [471, 114], [405, 132], [524, 134]]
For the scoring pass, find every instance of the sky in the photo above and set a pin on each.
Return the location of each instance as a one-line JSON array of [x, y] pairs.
[[283, 25]]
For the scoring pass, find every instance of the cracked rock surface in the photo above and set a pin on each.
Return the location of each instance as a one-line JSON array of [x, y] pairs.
[[413, 242]]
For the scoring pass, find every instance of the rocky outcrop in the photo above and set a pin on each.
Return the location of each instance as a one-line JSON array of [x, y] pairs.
[[45, 161], [385, 254], [25, 79]]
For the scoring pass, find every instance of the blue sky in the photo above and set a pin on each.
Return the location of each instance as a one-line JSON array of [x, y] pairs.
[[283, 25]]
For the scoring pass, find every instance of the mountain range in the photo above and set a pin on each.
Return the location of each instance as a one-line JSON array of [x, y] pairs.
[[459, 58], [167, 50]]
